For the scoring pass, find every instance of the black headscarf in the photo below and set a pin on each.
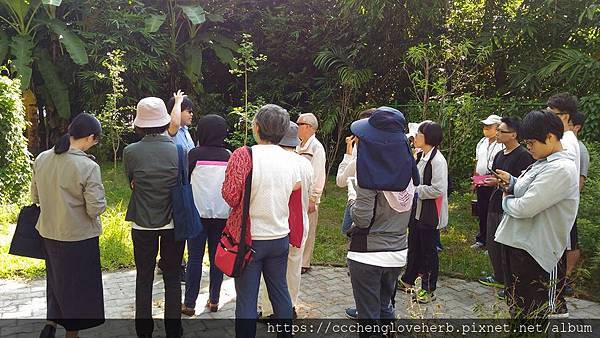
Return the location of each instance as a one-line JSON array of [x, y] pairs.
[[212, 131], [211, 134]]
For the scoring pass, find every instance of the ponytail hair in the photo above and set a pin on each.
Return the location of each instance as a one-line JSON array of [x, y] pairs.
[[83, 125], [63, 144]]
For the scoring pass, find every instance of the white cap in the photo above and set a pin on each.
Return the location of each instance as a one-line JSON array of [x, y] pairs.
[[492, 119], [151, 112]]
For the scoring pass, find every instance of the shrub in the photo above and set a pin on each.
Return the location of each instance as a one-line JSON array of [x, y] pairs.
[[15, 163], [588, 223]]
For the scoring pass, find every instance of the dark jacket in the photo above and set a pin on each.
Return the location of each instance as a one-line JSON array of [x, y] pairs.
[[151, 167]]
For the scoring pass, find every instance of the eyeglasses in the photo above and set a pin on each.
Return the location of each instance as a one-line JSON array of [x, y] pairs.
[[529, 143], [505, 131], [304, 124]]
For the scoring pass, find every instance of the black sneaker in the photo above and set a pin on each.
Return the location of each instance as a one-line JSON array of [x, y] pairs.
[[49, 331], [501, 294]]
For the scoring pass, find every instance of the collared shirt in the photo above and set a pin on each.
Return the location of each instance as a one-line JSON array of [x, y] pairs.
[[539, 215], [313, 150], [438, 187], [184, 139], [485, 152], [69, 190]]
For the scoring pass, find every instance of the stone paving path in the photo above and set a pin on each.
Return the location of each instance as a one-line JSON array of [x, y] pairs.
[[325, 293]]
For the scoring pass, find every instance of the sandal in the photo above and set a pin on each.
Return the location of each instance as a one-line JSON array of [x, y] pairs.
[[187, 311], [213, 307]]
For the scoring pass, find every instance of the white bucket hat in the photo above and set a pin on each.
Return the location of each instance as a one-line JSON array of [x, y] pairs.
[[151, 112]]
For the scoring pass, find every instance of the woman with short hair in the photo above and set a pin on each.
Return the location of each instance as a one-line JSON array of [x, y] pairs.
[[274, 177], [429, 215], [67, 185]]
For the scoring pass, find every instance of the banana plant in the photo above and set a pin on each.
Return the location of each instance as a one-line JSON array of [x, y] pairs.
[[189, 37], [28, 22]]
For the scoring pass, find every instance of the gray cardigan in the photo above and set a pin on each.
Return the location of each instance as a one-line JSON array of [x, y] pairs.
[[539, 215]]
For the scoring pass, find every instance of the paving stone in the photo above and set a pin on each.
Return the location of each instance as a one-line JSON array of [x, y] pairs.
[[325, 293]]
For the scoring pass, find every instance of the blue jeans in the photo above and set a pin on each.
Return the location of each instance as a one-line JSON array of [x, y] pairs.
[[347, 222], [270, 259], [213, 228]]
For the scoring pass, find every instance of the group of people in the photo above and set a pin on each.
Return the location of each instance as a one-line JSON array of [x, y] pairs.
[[397, 204], [527, 205]]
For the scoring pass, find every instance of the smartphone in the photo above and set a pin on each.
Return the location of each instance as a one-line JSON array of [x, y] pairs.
[[498, 176]]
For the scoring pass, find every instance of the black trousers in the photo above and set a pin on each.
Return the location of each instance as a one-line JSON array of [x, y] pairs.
[[531, 292], [494, 248], [483, 200], [422, 257], [145, 249]]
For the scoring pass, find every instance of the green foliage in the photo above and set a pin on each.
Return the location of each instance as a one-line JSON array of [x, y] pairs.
[[113, 117], [15, 164], [70, 40], [22, 49], [59, 93], [244, 65], [242, 117], [590, 105], [588, 222]]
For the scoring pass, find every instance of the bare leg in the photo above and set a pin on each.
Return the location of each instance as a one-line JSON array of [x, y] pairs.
[[572, 258], [71, 334]]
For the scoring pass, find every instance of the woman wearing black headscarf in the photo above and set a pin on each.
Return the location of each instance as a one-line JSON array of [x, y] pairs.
[[207, 163]]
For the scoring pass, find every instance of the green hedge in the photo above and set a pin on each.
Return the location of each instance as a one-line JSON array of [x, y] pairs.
[[15, 164]]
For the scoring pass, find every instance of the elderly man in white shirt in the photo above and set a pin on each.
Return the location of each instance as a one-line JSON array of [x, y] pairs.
[[486, 150], [313, 150]]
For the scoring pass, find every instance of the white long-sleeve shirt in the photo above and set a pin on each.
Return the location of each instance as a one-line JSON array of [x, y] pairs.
[[346, 174], [313, 150], [438, 187]]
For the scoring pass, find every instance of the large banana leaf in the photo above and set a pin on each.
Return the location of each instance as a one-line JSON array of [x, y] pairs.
[[4, 43], [224, 54], [212, 37], [59, 94], [193, 64], [153, 23], [21, 47], [70, 40], [195, 14], [52, 2]]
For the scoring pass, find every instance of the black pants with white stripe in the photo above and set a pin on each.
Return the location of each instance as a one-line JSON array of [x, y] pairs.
[[531, 292]]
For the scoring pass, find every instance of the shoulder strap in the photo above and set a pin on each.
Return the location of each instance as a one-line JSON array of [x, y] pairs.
[[181, 166], [246, 209]]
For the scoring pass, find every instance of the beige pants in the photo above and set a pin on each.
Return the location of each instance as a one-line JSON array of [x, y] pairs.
[[310, 241], [293, 280]]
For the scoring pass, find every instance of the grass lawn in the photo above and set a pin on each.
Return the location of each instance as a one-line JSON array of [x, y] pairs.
[[457, 259]]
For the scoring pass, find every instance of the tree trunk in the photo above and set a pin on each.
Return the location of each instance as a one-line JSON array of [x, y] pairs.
[[31, 116]]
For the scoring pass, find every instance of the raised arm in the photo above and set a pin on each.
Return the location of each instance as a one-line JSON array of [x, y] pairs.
[[176, 113]]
